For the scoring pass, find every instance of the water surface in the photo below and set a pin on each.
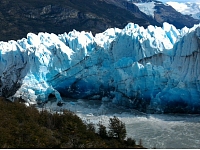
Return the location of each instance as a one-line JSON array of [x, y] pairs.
[[155, 130]]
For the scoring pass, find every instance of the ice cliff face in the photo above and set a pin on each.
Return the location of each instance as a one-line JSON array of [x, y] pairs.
[[154, 69]]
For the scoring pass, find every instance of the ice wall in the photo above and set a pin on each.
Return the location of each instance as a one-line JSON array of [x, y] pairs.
[[154, 69]]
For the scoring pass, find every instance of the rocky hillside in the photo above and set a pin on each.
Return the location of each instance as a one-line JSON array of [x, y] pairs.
[[19, 17], [166, 13], [162, 12], [23, 16]]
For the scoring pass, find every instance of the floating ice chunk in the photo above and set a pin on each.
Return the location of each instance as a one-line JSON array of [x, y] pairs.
[[89, 115]]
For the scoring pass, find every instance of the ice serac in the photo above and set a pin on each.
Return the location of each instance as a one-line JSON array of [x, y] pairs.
[[154, 69]]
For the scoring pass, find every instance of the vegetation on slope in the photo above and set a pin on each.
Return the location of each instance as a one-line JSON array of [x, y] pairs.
[[26, 127]]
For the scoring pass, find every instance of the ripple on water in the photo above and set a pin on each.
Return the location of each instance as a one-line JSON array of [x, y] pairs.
[[155, 130]]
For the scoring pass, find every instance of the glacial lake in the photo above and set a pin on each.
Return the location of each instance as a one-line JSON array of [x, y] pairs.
[[155, 130]]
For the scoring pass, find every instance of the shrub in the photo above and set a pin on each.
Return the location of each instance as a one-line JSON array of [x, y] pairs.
[[26, 127], [117, 129], [130, 142], [102, 130]]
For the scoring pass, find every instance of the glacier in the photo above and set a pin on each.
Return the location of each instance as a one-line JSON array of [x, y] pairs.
[[187, 8], [155, 70], [147, 8]]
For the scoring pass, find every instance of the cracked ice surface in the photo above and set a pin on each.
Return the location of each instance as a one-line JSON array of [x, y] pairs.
[[148, 69]]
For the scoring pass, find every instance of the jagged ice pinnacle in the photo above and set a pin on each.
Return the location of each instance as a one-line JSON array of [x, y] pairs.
[[156, 69]]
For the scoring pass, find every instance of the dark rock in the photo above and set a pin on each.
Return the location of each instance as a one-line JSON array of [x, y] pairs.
[[60, 104]]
